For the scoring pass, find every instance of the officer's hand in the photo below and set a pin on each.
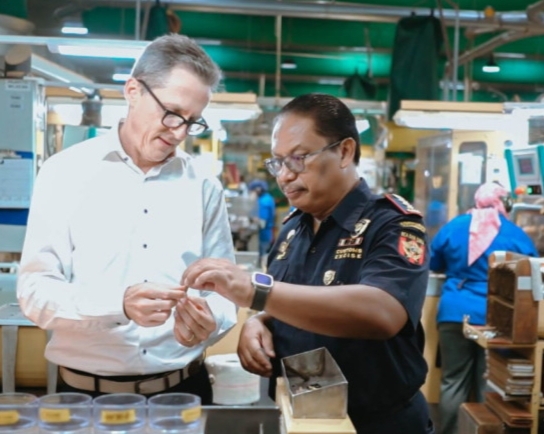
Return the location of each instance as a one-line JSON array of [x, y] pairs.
[[150, 304], [255, 347], [221, 276], [194, 321]]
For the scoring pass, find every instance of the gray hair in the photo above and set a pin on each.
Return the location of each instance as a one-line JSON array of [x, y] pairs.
[[167, 52]]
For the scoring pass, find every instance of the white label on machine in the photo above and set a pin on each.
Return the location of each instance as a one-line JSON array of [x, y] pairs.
[[15, 182], [524, 283], [471, 169], [18, 85]]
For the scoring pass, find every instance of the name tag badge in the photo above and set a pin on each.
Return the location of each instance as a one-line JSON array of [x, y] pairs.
[[350, 242]]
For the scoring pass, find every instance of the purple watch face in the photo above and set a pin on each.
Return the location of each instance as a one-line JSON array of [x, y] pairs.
[[263, 279]]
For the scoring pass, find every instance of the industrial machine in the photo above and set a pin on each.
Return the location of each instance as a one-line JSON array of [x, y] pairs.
[[451, 165], [526, 170], [22, 128]]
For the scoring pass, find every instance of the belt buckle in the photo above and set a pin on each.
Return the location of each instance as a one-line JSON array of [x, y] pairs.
[[165, 383]]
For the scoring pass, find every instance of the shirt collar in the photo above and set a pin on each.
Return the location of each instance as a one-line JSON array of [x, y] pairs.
[[114, 151], [350, 208], [348, 212]]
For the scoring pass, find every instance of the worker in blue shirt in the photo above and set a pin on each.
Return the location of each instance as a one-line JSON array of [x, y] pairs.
[[461, 250], [266, 216]]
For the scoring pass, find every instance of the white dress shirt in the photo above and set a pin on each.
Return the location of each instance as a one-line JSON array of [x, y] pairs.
[[98, 225]]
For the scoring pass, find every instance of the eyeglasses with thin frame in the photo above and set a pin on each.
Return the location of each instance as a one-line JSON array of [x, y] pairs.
[[173, 120], [295, 163]]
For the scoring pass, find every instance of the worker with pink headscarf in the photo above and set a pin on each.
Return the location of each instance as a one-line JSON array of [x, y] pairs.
[[461, 250]]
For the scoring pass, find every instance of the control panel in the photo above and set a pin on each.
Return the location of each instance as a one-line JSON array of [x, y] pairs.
[[525, 167]]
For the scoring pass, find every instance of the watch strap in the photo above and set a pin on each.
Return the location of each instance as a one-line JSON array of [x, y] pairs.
[[259, 298]]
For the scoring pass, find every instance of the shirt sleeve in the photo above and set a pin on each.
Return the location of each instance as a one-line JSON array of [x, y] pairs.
[[438, 261], [44, 291], [217, 243], [397, 262]]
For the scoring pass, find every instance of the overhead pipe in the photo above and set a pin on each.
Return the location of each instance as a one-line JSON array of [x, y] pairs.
[[278, 57], [535, 12], [497, 41], [137, 30], [348, 11]]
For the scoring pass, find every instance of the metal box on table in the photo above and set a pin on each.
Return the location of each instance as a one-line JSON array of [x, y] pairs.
[[316, 386]]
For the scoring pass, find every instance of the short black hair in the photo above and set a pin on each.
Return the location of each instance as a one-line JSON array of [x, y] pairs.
[[332, 118]]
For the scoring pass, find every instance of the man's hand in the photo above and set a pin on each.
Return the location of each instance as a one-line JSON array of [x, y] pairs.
[[255, 347], [194, 321], [150, 304], [221, 276]]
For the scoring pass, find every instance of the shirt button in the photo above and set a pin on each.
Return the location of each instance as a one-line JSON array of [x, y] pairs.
[[145, 246], [145, 280], [144, 351], [125, 159], [145, 211], [313, 250]]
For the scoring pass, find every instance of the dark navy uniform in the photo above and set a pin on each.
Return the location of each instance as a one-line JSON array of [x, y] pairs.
[[370, 240]]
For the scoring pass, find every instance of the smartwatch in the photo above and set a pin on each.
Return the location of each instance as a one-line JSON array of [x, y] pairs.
[[262, 283]]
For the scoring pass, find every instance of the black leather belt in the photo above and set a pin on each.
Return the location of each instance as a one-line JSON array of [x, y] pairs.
[[148, 384]]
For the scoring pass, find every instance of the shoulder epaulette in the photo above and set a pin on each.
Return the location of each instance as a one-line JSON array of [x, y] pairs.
[[290, 215], [402, 204]]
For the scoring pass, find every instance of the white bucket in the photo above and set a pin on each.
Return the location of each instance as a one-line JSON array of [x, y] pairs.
[[231, 384]]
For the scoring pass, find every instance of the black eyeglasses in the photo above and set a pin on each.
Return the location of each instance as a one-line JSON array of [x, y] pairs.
[[173, 120], [295, 163]]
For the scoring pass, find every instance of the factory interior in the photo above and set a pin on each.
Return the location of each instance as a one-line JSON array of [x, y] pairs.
[[446, 94]]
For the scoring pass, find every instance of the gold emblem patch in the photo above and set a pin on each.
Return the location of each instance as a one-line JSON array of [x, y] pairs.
[[290, 235], [328, 277], [414, 225], [349, 253], [360, 227], [282, 250]]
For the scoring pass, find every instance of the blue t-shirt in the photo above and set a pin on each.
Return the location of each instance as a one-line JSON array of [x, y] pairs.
[[465, 290]]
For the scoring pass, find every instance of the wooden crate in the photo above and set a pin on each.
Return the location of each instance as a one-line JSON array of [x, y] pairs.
[[477, 418], [511, 309]]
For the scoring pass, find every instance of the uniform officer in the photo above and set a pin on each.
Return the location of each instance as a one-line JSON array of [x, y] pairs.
[[348, 272]]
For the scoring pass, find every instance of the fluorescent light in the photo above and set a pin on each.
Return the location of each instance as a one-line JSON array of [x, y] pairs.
[[362, 125], [100, 51], [51, 70], [121, 76], [332, 81], [288, 64], [230, 114], [74, 30], [453, 120], [491, 68]]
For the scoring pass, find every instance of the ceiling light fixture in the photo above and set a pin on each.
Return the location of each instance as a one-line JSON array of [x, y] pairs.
[[362, 125], [491, 66], [121, 74], [288, 64], [100, 51], [72, 29]]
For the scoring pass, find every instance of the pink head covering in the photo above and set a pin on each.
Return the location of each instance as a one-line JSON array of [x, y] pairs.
[[485, 222]]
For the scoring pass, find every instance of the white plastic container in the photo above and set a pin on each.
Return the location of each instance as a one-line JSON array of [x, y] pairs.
[[231, 384]]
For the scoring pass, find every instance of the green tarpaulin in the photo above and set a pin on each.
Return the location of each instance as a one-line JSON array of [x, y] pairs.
[[414, 65]]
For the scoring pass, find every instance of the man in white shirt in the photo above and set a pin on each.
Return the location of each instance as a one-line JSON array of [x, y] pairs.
[[113, 224]]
